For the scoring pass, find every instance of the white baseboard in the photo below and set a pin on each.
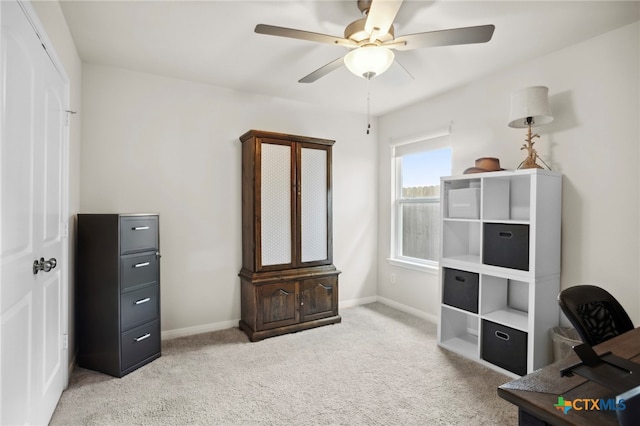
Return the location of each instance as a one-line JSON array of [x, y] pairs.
[[356, 302], [198, 329], [408, 309], [223, 325]]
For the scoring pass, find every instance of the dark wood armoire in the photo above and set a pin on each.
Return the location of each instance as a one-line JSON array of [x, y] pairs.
[[288, 280]]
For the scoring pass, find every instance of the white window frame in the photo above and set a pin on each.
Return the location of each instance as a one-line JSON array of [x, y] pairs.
[[435, 141]]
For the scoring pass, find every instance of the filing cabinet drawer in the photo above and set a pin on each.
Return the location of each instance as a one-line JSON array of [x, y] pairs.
[[138, 233], [138, 270], [140, 343], [139, 306]]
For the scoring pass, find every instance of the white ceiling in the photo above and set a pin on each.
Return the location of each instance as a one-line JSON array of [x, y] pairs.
[[214, 42]]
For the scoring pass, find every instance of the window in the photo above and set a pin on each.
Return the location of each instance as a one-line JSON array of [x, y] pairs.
[[416, 229]]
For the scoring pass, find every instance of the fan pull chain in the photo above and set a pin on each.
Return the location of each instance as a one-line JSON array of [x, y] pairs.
[[368, 104]]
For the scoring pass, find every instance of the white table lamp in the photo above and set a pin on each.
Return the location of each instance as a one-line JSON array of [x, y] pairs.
[[530, 108]]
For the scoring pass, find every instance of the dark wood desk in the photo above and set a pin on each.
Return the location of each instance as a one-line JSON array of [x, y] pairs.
[[537, 392]]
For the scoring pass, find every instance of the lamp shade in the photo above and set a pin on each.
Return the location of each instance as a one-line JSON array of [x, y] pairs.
[[369, 61], [530, 102]]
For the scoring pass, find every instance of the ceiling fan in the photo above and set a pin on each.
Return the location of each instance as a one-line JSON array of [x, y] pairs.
[[371, 39]]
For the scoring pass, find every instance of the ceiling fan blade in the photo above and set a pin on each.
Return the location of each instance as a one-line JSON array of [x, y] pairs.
[[304, 35], [468, 35], [380, 17], [322, 71]]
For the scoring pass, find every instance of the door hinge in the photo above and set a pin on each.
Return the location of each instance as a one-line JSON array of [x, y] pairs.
[[68, 115], [65, 229], [65, 341]]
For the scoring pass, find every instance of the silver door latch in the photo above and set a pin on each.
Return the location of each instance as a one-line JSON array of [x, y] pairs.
[[44, 265]]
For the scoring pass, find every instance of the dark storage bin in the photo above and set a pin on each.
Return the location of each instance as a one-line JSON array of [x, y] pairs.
[[460, 289], [506, 245], [505, 347]]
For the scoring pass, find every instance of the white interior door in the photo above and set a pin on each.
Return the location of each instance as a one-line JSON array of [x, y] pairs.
[[33, 354]]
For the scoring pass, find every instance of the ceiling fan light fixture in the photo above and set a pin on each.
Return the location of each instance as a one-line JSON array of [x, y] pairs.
[[369, 60]]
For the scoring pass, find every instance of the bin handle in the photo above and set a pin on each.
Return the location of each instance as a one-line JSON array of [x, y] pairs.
[[502, 335]]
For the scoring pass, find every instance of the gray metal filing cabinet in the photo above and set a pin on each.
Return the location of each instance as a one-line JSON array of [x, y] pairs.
[[117, 291]]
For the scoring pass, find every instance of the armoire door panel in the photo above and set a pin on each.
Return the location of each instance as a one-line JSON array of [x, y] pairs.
[[275, 205], [319, 298], [313, 205], [279, 307]]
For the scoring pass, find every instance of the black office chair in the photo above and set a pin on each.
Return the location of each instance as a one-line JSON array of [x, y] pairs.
[[596, 315]]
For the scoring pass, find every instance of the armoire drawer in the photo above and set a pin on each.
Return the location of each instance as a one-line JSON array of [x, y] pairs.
[[138, 270], [138, 234], [140, 343], [139, 306]]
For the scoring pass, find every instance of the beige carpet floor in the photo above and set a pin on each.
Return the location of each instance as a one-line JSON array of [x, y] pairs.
[[379, 366]]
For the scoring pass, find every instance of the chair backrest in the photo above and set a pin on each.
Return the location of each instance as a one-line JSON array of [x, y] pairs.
[[596, 315]]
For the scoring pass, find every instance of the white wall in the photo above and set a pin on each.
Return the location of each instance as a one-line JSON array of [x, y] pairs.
[[594, 141], [156, 144]]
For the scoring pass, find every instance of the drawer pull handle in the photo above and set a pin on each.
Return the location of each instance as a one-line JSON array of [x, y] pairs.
[[141, 301], [139, 228], [141, 265], [284, 292], [141, 338], [460, 279], [505, 234], [502, 335], [324, 286]]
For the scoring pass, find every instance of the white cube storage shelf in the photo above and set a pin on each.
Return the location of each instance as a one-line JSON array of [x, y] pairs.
[[522, 300]]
